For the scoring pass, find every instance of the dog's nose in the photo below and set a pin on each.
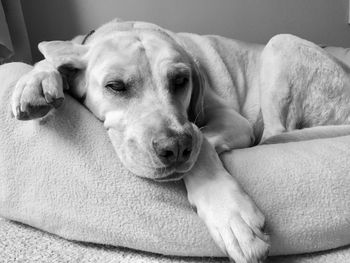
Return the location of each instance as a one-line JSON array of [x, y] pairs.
[[174, 149]]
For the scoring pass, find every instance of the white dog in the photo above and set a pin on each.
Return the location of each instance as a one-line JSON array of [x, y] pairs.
[[172, 102]]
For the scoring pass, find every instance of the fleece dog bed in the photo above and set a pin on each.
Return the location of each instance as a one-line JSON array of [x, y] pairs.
[[43, 247], [61, 175]]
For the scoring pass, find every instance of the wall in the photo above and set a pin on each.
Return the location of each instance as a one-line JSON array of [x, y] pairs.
[[321, 21]]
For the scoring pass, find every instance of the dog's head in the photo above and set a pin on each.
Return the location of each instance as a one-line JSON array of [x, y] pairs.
[[146, 89]]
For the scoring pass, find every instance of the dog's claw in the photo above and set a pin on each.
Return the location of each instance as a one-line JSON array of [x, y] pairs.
[[18, 112], [20, 115], [57, 102]]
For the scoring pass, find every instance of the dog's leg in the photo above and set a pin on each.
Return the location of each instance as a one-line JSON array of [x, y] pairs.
[[275, 95], [278, 105], [301, 86], [271, 105], [37, 92], [225, 129], [233, 220], [228, 130]]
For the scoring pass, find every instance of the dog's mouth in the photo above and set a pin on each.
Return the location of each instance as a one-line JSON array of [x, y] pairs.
[[166, 173], [173, 173], [170, 178]]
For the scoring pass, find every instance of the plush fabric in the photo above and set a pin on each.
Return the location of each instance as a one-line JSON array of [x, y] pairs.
[[43, 247], [62, 175]]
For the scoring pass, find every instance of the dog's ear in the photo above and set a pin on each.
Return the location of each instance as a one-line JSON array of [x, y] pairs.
[[64, 53], [195, 110]]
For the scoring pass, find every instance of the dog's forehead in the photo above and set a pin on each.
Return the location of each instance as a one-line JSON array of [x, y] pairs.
[[134, 53], [132, 44]]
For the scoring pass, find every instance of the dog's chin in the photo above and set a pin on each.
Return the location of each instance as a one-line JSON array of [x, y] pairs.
[[170, 178], [159, 174], [175, 176]]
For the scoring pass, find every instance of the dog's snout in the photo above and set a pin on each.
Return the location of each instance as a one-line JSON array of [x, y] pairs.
[[174, 149]]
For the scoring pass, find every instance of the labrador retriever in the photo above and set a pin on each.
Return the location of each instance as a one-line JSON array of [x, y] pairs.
[[172, 102]]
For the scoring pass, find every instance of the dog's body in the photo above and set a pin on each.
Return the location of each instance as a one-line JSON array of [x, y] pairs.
[[288, 84], [158, 92]]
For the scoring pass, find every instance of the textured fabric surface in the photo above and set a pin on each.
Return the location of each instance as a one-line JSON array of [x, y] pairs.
[[21, 243]]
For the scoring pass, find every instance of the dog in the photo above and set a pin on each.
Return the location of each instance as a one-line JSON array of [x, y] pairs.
[[172, 102]]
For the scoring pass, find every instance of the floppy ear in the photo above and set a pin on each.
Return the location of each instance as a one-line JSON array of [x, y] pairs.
[[64, 53], [195, 110]]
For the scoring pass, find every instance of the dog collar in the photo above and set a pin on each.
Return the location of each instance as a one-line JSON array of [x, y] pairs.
[[87, 36]]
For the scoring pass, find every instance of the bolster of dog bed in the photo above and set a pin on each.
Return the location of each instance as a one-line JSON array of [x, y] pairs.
[[61, 175]]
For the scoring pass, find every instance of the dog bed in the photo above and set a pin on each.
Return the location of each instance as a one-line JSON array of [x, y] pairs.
[[43, 247], [61, 175]]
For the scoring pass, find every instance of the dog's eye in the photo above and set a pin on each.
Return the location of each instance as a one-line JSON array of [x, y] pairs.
[[180, 80], [117, 86]]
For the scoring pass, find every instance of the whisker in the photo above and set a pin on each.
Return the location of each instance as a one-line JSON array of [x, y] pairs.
[[198, 114]]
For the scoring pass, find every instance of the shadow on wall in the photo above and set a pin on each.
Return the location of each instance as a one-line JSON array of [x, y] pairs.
[[49, 20]]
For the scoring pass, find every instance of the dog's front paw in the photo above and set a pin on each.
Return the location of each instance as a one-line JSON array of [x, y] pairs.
[[235, 223], [36, 93]]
